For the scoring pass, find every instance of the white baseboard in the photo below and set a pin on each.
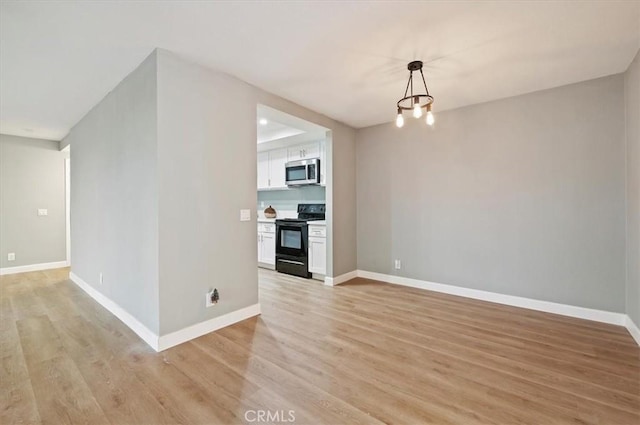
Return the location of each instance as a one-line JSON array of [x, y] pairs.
[[546, 306], [33, 267], [633, 329], [333, 281], [160, 343], [134, 324], [202, 328]]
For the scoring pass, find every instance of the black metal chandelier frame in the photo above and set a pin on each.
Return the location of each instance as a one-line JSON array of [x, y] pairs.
[[410, 100]]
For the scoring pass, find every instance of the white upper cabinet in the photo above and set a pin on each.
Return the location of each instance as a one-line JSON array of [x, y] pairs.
[[271, 173], [306, 151], [277, 162], [323, 163], [271, 164], [263, 170]]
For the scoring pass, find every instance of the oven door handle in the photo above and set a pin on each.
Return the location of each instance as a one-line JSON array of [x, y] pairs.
[[300, 263]]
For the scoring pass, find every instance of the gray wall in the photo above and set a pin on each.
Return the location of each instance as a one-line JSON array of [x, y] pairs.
[[522, 196], [207, 173], [632, 100], [114, 195], [342, 217], [31, 177], [161, 168], [207, 133], [290, 198]]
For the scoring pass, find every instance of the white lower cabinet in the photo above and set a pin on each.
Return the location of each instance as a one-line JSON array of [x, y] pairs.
[[317, 249], [266, 244], [269, 248]]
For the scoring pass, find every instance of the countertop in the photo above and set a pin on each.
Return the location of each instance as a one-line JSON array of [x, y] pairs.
[[273, 220]]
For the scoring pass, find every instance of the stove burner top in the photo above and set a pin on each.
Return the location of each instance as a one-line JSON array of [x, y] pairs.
[[307, 212]]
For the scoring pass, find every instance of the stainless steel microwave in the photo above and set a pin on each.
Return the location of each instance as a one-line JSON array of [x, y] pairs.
[[303, 172]]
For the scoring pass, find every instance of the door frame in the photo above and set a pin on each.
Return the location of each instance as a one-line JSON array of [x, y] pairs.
[[67, 199]]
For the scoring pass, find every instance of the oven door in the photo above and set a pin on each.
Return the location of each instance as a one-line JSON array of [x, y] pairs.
[[291, 239]]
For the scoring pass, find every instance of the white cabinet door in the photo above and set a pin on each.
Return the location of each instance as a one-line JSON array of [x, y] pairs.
[[263, 170], [277, 161], [323, 163], [311, 150], [259, 247], [318, 255], [269, 248], [306, 151], [294, 153]]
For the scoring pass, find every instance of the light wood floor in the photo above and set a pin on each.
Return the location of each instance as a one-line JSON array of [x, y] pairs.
[[365, 352]]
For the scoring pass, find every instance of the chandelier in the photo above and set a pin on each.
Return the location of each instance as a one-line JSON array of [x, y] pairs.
[[415, 102]]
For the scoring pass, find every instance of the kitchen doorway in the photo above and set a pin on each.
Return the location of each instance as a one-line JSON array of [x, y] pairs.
[[293, 166]]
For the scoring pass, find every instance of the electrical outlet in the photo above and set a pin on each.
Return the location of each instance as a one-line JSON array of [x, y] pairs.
[[212, 298], [398, 264], [11, 256], [42, 212], [101, 279]]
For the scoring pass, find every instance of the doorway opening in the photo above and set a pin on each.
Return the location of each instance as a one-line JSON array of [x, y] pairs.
[[294, 211]]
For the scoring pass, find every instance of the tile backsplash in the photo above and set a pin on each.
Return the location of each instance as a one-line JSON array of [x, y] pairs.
[[286, 201]]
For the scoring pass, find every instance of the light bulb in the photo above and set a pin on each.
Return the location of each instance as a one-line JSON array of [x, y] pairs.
[[399, 120], [417, 111], [430, 119]]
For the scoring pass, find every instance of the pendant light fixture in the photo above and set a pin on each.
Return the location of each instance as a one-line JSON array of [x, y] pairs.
[[415, 102]]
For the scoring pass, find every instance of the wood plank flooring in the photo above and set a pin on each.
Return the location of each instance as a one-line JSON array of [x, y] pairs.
[[361, 353]]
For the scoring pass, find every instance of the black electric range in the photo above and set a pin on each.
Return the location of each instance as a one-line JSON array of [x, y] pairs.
[[292, 235]]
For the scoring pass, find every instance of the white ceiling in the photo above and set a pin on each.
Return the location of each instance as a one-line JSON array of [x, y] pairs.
[[281, 125], [274, 130], [344, 59]]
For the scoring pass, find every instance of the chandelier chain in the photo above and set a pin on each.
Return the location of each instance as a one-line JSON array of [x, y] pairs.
[[424, 81]]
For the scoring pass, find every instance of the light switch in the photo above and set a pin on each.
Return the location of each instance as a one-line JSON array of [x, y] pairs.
[[42, 212], [245, 215]]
